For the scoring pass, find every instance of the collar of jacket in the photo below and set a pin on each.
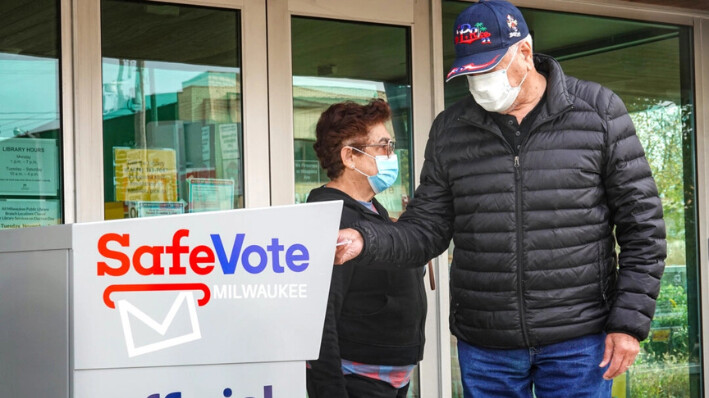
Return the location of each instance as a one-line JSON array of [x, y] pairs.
[[327, 193], [558, 100]]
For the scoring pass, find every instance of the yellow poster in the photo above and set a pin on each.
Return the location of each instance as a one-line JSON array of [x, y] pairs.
[[145, 174]]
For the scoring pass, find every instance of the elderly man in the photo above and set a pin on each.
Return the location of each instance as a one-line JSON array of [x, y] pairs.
[[535, 177]]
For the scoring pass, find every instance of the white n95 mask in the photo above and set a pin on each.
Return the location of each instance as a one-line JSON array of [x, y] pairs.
[[492, 90]]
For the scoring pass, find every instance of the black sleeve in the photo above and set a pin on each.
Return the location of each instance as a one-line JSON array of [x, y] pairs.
[[640, 229], [424, 230]]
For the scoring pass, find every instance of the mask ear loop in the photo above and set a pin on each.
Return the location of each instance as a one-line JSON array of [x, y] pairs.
[[513, 57], [364, 153]]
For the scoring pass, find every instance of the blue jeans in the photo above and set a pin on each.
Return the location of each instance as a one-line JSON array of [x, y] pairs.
[[566, 369]]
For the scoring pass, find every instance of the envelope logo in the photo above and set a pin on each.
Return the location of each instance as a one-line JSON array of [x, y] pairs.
[[184, 302]]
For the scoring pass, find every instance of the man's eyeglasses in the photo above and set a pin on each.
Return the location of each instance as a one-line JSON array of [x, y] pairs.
[[390, 146]]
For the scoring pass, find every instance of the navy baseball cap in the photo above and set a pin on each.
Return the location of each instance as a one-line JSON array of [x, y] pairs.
[[483, 33]]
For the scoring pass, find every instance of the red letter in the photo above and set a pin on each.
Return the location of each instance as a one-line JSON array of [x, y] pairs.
[[154, 269], [176, 249], [196, 259], [105, 269]]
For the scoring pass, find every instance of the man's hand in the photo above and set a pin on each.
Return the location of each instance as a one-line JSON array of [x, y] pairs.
[[347, 251], [621, 350]]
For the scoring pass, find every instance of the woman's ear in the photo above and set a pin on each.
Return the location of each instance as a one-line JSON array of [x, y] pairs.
[[347, 157]]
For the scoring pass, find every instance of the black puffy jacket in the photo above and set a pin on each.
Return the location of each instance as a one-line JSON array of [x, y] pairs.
[[534, 260], [374, 316]]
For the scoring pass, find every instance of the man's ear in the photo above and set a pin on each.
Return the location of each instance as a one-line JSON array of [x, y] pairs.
[[527, 53]]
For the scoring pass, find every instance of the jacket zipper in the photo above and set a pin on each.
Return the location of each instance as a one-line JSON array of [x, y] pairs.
[[422, 332], [520, 251]]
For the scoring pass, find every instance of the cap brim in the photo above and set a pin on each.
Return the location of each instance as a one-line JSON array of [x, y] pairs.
[[477, 63]]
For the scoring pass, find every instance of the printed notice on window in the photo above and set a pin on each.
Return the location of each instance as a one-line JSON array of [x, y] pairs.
[[145, 174], [210, 194], [307, 171], [150, 209], [29, 166], [22, 213]]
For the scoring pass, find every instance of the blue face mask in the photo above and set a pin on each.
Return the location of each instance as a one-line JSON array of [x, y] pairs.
[[387, 171]]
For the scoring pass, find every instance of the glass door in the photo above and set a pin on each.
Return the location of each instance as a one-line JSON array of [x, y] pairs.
[[172, 119], [30, 106], [649, 66], [173, 109]]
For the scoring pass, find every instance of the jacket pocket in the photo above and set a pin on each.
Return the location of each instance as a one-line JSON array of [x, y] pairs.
[[365, 305]]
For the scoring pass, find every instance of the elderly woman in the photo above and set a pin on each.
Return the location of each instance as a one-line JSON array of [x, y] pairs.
[[374, 327]]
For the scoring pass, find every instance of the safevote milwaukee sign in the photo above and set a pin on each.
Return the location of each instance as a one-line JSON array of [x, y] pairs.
[[223, 287]]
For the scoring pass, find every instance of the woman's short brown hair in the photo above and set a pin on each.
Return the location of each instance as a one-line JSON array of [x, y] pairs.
[[345, 123]]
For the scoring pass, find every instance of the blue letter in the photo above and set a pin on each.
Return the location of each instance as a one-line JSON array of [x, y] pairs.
[[245, 259], [228, 265], [292, 256], [275, 248]]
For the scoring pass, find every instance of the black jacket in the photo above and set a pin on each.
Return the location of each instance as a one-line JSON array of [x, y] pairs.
[[534, 260], [373, 316]]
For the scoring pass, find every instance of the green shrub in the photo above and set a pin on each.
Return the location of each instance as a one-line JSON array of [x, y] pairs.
[[666, 379], [670, 316], [662, 366]]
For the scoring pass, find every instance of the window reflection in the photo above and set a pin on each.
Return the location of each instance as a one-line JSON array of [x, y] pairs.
[[173, 138], [30, 128], [351, 62]]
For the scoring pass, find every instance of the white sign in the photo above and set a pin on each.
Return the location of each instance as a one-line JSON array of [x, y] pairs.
[[229, 141], [29, 166], [22, 213], [206, 146], [235, 286]]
